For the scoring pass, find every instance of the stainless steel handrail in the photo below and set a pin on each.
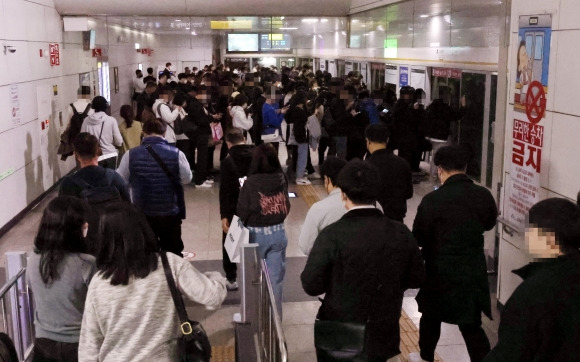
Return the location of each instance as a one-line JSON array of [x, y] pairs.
[[11, 282], [276, 347]]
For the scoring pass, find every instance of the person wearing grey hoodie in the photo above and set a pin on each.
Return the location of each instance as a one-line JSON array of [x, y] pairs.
[[106, 129]]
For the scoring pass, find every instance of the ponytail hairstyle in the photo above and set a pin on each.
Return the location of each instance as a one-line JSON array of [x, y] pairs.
[[126, 113]]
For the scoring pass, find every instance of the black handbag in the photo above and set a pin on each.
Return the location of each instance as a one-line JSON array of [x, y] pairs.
[[193, 346], [339, 341]]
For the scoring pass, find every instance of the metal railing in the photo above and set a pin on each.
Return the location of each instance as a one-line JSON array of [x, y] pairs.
[[17, 306], [259, 320]]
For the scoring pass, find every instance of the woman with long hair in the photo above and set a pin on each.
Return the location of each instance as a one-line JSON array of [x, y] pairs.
[[129, 312], [263, 206], [59, 274], [131, 130]]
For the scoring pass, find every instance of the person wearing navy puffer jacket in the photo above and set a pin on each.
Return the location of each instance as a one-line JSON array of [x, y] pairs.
[[152, 190]]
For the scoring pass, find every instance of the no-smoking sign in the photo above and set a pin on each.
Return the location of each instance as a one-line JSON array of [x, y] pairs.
[[535, 102]]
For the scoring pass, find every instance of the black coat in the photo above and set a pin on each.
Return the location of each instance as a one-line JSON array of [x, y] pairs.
[[541, 320], [396, 183], [449, 226], [232, 168], [364, 262]]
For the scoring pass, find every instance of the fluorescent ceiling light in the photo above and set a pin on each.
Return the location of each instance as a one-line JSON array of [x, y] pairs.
[[324, 20], [434, 45], [310, 20], [177, 19], [288, 28], [424, 16]]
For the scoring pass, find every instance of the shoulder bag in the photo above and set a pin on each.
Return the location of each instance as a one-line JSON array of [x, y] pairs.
[[174, 180], [193, 346]]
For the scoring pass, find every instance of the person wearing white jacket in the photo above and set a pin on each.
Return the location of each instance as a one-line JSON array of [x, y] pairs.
[[240, 118], [106, 129], [167, 114]]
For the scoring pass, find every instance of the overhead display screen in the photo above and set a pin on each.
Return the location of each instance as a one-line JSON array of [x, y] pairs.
[[243, 42], [275, 42]]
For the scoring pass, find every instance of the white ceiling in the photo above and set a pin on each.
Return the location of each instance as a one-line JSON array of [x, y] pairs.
[[204, 7]]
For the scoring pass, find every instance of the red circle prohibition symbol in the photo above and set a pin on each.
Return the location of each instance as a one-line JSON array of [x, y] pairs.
[[535, 102]]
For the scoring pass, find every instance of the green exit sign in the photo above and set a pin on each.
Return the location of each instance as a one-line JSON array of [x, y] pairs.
[[391, 43]]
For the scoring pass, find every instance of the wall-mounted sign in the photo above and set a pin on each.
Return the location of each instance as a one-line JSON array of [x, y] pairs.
[[533, 58], [147, 51], [54, 54], [97, 52], [403, 76], [447, 73]]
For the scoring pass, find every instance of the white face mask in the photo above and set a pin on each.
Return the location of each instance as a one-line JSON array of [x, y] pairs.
[[85, 230]]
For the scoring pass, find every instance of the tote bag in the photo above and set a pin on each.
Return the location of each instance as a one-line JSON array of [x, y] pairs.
[[237, 235]]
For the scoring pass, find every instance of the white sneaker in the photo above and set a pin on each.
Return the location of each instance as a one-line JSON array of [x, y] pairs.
[[314, 175], [231, 286], [209, 181], [415, 357], [205, 184], [303, 181]]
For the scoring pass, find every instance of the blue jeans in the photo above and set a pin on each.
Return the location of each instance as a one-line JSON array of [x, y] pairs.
[[272, 243], [302, 160], [340, 147]]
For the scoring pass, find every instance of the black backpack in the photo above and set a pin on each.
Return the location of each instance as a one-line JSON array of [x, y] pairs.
[[98, 197], [177, 124], [72, 130]]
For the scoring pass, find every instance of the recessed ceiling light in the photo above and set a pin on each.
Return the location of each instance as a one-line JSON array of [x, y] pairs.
[[310, 20], [424, 16], [177, 19], [288, 28], [187, 28], [324, 20]]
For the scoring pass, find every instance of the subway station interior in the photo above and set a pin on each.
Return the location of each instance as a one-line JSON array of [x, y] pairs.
[[526, 121]]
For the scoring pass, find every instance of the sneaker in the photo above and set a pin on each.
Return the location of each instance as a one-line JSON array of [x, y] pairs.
[[314, 175], [303, 181], [231, 286], [415, 357], [205, 184], [209, 181]]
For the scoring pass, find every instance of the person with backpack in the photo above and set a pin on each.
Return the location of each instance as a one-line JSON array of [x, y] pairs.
[[93, 183], [106, 129], [78, 111]]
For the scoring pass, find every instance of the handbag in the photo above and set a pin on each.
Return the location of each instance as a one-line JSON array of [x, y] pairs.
[[237, 235], [217, 131], [271, 134], [193, 346], [339, 341]]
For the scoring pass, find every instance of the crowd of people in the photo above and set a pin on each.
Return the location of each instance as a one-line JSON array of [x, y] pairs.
[[96, 271]]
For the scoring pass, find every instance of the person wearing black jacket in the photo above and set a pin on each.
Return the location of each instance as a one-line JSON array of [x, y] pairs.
[[297, 115], [263, 205], [363, 263], [199, 139], [396, 180], [232, 168], [540, 319], [449, 227]]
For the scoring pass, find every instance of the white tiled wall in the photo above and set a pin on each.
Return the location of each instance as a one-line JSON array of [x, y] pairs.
[[30, 26], [560, 175]]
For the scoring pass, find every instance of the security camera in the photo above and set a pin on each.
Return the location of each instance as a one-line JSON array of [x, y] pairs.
[[9, 48]]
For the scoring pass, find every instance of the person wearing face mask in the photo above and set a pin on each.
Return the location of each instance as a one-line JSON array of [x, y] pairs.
[[540, 319], [326, 211], [59, 273], [449, 227]]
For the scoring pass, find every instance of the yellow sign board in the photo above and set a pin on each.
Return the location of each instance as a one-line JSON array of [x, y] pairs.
[[231, 24]]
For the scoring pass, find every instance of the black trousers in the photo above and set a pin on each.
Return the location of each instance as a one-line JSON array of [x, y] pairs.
[[201, 144], [168, 232], [475, 339], [231, 269], [47, 350], [185, 147], [110, 162]]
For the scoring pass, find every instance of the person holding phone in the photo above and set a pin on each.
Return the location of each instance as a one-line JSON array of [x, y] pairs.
[[240, 117]]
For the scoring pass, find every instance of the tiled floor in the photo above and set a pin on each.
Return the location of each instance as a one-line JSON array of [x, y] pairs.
[[202, 238]]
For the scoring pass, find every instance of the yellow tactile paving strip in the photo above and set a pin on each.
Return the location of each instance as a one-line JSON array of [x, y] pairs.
[[223, 354], [409, 332]]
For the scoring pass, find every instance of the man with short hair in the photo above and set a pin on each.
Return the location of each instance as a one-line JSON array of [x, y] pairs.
[[155, 171], [326, 211], [363, 263], [146, 99], [449, 226], [106, 129], [96, 184], [138, 84], [232, 168], [396, 179]]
